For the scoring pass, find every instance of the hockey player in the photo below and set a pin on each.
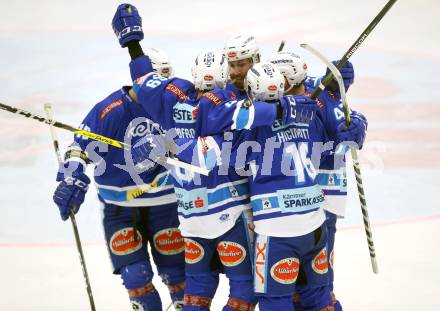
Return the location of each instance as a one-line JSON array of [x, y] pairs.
[[213, 212], [242, 53], [136, 210], [332, 172], [160, 62]]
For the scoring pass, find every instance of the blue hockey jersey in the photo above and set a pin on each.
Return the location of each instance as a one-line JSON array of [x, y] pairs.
[[120, 118]]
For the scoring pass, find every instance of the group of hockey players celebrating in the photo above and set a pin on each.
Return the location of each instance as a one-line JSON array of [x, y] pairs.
[[265, 214]]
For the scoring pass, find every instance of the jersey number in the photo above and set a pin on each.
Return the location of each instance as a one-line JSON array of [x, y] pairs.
[[303, 164], [155, 81]]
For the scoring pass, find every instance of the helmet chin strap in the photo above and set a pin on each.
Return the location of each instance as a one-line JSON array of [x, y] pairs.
[[291, 86], [289, 89]]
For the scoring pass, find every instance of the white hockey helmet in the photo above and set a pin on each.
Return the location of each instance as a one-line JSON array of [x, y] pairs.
[[242, 47], [160, 61], [291, 65], [264, 82], [210, 71]]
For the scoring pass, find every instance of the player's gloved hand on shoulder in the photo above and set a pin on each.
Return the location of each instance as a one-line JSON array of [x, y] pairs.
[[71, 191], [347, 73], [298, 109], [127, 24], [355, 132]]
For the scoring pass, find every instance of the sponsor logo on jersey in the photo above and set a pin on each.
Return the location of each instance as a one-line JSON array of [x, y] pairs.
[[185, 132], [194, 252], [177, 91], [191, 201], [144, 127], [260, 264], [184, 113], [331, 258], [319, 263], [224, 217], [300, 199], [195, 112], [285, 271], [266, 204], [331, 180], [233, 191], [272, 88], [109, 108], [232, 95], [123, 242], [213, 98], [169, 241], [198, 202], [231, 253]]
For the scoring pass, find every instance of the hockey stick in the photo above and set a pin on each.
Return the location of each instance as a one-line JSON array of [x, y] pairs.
[[354, 155], [326, 80], [281, 47], [48, 109], [107, 140]]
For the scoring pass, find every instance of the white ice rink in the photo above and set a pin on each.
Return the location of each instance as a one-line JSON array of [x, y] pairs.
[[65, 53]]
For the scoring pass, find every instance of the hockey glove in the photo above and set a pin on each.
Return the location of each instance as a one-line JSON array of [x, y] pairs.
[[70, 194], [127, 24], [298, 109], [355, 132], [148, 150], [347, 73]]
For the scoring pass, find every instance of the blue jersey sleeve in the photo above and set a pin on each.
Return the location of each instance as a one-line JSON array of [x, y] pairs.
[[140, 66], [158, 95], [104, 119], [219, 112]]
